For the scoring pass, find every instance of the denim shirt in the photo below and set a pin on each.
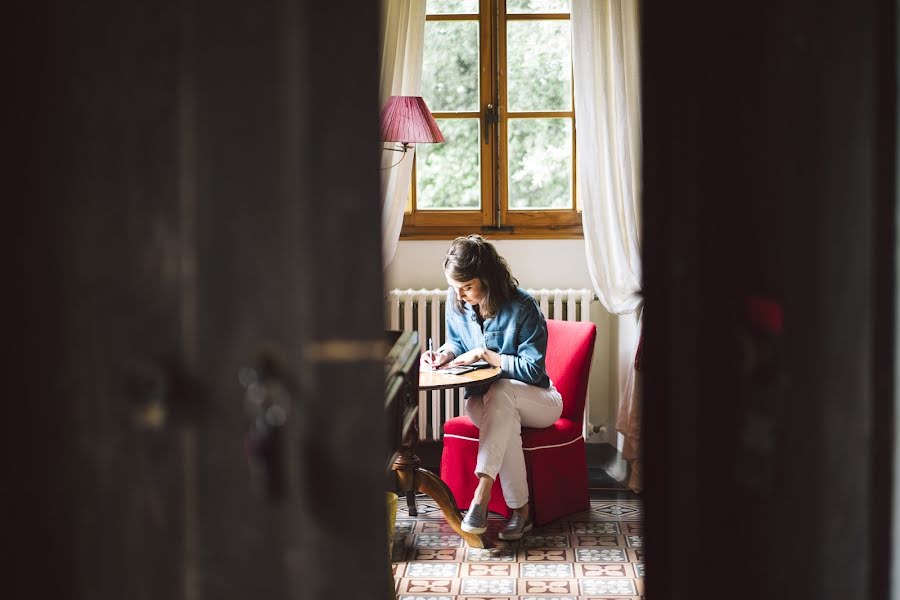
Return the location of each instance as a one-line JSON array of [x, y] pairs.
[[518, 333]]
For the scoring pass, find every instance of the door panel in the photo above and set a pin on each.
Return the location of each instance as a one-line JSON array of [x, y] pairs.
[[770, 168], [190, 176]]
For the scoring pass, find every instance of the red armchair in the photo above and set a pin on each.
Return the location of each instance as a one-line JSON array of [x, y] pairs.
[[554, 456]]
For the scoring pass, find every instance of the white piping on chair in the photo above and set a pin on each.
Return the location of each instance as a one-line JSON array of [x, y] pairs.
[[462, 437]]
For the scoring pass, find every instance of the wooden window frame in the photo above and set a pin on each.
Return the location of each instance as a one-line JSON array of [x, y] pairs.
[[495, 218]]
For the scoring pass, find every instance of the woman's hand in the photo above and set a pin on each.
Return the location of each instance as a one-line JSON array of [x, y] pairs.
[[435, 360], [489, 356]]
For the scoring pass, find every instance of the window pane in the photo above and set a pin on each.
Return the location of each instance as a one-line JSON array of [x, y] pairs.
[[448, 175], [540, 163], [539, 65], [450, 68], [536, 6], [444, 7]]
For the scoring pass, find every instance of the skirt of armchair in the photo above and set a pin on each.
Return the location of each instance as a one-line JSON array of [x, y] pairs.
[[554, 460]]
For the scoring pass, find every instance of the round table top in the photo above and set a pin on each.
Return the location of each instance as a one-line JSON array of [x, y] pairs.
[[437, 380]]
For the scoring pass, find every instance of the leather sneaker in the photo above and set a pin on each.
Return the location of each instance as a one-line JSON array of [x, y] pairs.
[[475, 520], [516, 527]]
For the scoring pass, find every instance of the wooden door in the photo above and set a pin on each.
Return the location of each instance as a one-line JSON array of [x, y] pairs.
[[770, 166], [195, 190]]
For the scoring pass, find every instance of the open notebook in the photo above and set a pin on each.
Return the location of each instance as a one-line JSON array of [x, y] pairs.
[[463, 369]]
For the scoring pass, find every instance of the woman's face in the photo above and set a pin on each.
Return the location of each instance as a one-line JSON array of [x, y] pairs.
[[471, 292]]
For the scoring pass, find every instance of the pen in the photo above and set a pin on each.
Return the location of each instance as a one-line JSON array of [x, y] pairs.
[[431, 348]]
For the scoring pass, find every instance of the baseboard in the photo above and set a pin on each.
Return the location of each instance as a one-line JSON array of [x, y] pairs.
[[606, 467]]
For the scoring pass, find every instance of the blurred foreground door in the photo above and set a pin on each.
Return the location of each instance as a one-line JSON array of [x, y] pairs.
[[770, 254], [187, 180]]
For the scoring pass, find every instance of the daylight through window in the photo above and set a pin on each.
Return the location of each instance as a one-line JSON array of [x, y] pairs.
[[497, 76]]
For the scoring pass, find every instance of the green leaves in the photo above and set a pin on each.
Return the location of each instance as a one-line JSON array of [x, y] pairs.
[[539, 66], [450, 67], [448, 175]]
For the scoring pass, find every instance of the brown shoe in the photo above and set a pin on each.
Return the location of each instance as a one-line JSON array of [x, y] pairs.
[[516, 527]]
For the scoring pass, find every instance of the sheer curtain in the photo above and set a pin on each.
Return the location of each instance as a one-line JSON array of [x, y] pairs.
[[402, 34], [607, 105]]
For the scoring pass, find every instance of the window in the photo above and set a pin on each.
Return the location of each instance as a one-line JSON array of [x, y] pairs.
[[497, 76]]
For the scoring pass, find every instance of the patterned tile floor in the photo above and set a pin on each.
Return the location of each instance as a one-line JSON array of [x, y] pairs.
[[594, 555]]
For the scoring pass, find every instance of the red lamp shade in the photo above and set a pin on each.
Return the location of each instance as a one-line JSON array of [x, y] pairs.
[[406, 119]]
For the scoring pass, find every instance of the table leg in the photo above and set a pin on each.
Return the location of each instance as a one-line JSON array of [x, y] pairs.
[[431, 485], [411, 503]]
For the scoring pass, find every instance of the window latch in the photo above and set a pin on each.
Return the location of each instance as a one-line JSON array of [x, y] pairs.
[[490, 118]]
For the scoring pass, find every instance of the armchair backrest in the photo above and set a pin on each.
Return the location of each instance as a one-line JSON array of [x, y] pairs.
[[570, 346]]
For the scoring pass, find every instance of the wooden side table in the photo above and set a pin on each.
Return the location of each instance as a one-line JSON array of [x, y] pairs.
[[411, 476]]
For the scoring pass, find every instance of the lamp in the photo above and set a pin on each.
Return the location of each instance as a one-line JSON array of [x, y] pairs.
[[407, 120]]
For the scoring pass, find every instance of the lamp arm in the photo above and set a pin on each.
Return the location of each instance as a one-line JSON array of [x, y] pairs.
[[403, 147], [402, 156]]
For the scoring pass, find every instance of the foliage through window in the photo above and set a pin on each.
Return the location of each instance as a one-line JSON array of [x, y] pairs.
[[497, 76]]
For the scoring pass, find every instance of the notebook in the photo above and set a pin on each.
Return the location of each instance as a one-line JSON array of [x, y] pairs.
[[464, 368]]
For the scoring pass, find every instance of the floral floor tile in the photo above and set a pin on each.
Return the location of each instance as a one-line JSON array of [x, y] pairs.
[[604, 570], [594, 555], [426, 507], [595, 527], [608, 587], [508, 569], [488, 585], [437, 540], [500, 554], [548, 586], [432, 570], [632, 527], [639, 584], [442, 554], [434, 526], [548, 570], [639, 569], [428, 586], [404, 526], [546, 541], [598, 540], [619, 510], [546, 555], [601, 555]]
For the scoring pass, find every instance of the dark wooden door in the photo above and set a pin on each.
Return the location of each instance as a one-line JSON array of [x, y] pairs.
[[770, 168], [194, 192]]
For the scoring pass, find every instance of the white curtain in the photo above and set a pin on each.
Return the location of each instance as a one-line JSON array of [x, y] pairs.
[[402, 34], [607, 108]]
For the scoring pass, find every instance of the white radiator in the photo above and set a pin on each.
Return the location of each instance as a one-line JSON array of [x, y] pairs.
[[423, 311]]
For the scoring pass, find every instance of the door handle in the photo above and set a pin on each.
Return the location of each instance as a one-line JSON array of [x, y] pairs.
[[267, 403], [147, 387]]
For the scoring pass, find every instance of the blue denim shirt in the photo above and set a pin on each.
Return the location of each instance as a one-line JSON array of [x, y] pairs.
[[518, 333]]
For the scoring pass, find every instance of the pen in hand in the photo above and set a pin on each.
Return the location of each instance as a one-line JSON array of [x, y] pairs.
[[431, 352]]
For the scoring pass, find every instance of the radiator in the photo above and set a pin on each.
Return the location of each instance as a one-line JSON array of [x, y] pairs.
[[423, 311]]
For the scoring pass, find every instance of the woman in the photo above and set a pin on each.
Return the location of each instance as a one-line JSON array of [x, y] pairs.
[[490, 318]]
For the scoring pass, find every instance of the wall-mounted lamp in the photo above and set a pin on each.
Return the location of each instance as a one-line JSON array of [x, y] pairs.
[[407, 120]]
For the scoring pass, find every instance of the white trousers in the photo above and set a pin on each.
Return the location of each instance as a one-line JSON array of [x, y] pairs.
[[500, 414]]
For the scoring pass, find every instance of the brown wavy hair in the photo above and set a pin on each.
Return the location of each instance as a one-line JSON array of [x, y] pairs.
[[473, 257]]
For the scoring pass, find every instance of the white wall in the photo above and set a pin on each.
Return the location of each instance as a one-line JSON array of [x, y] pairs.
[[536, 264]]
